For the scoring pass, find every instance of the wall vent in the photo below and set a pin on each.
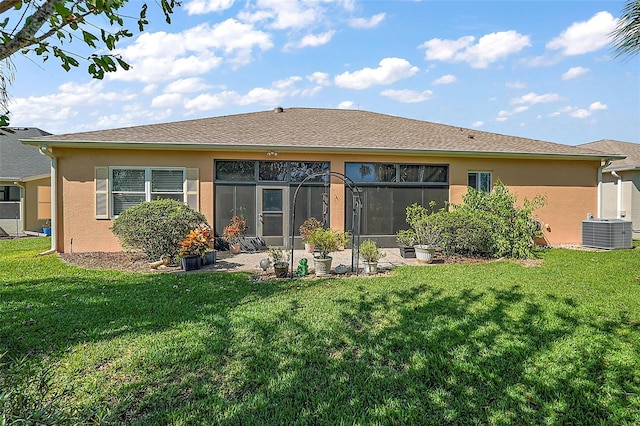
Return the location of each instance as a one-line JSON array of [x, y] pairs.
[[607, 234]]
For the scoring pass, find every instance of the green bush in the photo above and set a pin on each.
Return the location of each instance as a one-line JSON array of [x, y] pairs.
[[463, 232], [156, 227], [512, 227]]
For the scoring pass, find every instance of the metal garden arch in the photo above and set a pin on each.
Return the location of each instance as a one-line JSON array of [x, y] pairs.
[[356, 210]]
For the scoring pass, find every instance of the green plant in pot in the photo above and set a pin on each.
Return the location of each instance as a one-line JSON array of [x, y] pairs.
[[427, 237], [280, 261], [326, 240], [406, 238], [370, 254]]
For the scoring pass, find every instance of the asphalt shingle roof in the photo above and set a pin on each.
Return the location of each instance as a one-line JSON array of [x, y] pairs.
[[319, 129], [18, 161], [631, 150]]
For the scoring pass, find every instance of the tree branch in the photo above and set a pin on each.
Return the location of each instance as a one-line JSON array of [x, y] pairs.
[[25, 37], [8, 4]]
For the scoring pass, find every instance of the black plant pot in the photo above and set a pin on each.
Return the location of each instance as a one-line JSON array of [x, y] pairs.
[[407, 252], [189, 263]]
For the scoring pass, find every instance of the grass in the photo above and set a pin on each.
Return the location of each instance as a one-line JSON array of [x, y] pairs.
[[495, 343]]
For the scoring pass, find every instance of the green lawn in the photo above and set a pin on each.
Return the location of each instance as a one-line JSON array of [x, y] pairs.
[[491, 343]]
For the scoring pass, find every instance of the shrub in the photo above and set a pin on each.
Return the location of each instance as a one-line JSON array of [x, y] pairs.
[[463, 232], [423, 231], [513, 227], [370, 252], [327, 241], [156, 227]]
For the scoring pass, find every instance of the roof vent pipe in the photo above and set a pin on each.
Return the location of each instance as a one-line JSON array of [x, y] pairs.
[[278, 109]]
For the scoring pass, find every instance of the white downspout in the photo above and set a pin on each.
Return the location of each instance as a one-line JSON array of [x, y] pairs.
[[44, 150], [619, 195]]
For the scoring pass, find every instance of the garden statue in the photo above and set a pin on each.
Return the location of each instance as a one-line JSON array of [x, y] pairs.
[[303, 268]]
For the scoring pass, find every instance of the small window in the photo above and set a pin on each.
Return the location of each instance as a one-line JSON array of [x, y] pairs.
[[235, 171], [423, 173], [301, 169], [480, 181], [371, 172], [130, 187], [274, 171]]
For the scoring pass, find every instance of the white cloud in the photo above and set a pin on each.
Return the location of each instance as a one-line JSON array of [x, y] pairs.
[[321, 78], [208, 101], [198, 7], [311, 40], [585, 37], [489, 48], [597, 106], [286, 83], [269, 96], [167, 100], [284, 15], [192, 51], [574, 72], [149, 89], [580, 113], [515, 85], [345, 105], [389, 71], [478, 124], [186, 85], [365, 23], [65, 104], [505, 115], [534, 98], [445, 79], [407, 96]]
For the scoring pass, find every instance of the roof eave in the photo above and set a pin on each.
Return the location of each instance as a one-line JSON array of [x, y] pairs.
[[290, 148]]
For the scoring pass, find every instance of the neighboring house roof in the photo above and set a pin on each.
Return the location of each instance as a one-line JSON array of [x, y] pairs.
[[19, 162], [630, 150], [311, 129]]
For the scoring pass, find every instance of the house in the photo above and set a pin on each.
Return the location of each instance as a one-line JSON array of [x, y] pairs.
[[25, 183], [252, 165], [620, 182]]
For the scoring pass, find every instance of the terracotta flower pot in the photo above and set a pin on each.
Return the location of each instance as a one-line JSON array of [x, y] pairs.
[[235, 248]]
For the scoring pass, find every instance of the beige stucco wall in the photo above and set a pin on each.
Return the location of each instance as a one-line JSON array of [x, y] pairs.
[[569, 186]]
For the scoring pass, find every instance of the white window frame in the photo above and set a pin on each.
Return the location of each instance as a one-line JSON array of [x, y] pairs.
[[479, 176], [147, 183]]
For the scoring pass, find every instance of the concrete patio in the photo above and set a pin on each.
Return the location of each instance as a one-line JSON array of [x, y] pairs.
[[250, 261]]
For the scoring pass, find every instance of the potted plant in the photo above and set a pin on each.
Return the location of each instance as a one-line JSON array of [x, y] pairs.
[[206, 236], [46, 228], [370, 254], [427, 237], [280, 261], [326, 240], [306, 229], [406, 238], [234, 232], [193, 247]]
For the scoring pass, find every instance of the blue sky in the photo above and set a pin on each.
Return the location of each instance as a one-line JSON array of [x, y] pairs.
[[537, 69]]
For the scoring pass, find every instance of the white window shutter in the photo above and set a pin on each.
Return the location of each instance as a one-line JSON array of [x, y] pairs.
[[102, 192], [192, 189]]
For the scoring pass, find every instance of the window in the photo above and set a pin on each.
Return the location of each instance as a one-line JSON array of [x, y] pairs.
[[9, 193], [388, 188], [480, 181], [44, 202], [130, 187]]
